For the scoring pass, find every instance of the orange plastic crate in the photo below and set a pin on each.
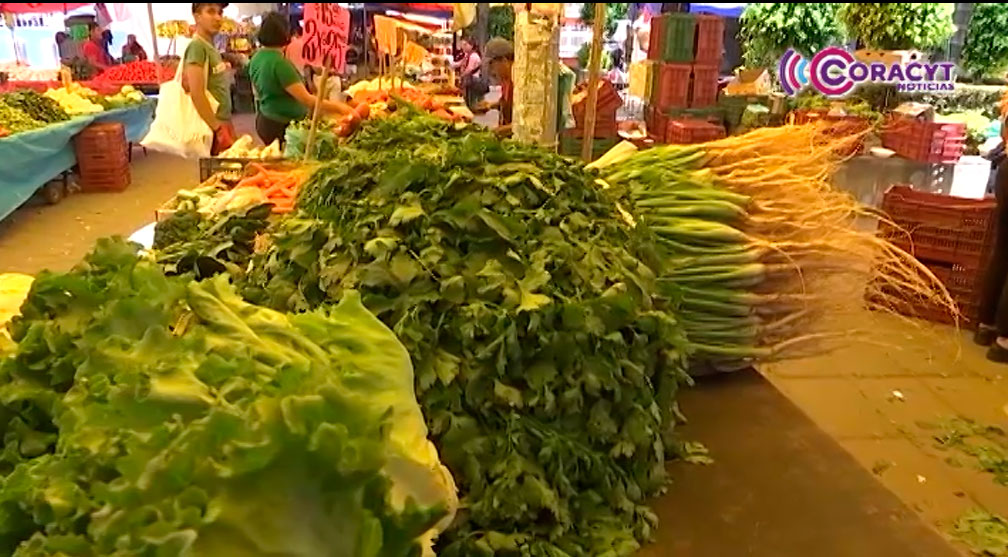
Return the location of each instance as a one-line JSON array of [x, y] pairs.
[[709, 40], [673, 86], [690, 130], [705, 85], [934, 142], [940, 228]]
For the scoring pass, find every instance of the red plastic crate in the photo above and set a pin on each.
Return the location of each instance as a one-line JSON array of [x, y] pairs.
[[103, 157], [940, 228], [690, 130], [709, 40], [661, 120], [934, 142], [964, 285], [705, 86], [607, 100], [673, 86], [655, 42]]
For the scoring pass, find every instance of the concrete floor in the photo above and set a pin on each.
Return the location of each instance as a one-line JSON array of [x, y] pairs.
[[846, 400]]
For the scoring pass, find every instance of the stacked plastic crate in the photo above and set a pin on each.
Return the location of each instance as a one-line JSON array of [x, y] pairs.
[[686, 52], [923, 141], [952, 236]]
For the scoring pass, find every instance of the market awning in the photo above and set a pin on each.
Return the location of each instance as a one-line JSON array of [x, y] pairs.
[[432, 8], [40, 8], [721, 9]]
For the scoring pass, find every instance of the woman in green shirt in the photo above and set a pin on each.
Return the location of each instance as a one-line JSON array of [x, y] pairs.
[[281, 96]]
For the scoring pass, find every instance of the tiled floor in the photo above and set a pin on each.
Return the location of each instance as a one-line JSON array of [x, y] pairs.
[[872, 398]]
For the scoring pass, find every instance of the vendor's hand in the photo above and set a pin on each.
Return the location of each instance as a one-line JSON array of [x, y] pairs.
[[223, 138]]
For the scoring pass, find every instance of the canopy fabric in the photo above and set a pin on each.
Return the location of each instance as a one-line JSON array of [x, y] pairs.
[[431, 8], [721, 9], [40, 8]]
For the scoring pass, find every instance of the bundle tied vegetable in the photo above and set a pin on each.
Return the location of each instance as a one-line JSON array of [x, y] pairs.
[[547, 361], [765, 257]]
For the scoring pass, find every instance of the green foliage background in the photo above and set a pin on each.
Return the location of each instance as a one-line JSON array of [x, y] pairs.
[[985, 53], [895, 26], [615, 11], [501, 22], [767, 30]]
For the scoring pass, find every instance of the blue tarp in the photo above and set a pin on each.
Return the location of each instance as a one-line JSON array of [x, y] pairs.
[[30, 159], [721, 9]]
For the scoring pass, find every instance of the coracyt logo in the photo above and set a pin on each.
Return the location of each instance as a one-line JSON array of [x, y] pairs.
[[835, 72]]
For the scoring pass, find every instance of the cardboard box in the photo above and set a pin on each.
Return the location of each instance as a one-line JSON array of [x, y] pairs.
[[750, 82], [887, 57]]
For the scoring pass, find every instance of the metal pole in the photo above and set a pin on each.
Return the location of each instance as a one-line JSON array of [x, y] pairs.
[[153, 30], [598, 26]]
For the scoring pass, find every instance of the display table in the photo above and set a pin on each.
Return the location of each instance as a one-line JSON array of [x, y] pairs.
[[36, 157]]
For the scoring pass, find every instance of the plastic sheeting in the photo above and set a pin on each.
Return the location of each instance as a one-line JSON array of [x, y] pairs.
[[39, 156]]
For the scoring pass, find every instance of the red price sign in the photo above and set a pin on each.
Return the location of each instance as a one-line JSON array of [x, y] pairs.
[[326, 31]]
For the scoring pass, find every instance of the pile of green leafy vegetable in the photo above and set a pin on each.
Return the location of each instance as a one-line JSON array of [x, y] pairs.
[[547, 365], [151, 415], [36, 106], [188, 241]]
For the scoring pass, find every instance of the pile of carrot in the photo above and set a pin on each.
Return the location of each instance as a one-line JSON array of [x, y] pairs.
[[280, 186]]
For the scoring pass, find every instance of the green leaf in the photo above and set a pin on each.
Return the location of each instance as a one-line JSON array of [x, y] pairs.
[[510, 395], [405, 213]]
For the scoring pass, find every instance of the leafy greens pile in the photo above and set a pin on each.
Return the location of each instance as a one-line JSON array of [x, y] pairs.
[[189, 241], [546, 364], [152, 415]]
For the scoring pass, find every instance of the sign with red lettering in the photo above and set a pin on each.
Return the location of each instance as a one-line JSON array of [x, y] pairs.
[[326, 32]]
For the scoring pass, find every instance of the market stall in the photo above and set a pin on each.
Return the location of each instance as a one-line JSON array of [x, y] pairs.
[[45, 153]]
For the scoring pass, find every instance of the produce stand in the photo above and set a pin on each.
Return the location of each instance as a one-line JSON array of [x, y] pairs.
[[46, 153]]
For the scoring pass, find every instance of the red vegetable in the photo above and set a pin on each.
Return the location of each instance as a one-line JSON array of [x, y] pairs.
[[139, 71]]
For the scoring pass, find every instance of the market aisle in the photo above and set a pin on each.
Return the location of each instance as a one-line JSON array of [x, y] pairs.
[[880, 400], [40, 236], [778, 487]]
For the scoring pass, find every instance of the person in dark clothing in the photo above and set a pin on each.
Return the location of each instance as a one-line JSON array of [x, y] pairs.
[[993, 316]]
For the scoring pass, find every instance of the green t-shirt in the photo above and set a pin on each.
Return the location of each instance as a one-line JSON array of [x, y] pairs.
[[271, 74], [199, 53]]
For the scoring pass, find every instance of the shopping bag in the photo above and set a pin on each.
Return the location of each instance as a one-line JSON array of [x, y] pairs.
[[178, 128]]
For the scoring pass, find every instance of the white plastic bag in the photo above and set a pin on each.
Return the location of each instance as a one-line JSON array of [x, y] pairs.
[[178, 128]]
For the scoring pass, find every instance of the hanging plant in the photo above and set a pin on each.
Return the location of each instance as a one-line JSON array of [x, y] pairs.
[[767, 30], [985, 53], [895, 26]]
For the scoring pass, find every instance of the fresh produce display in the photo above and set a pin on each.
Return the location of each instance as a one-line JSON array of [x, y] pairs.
[[551, 311], [244, 148], [205, 245], [14, 120], [280, 187], [174, 28], [20, 72], [81, 69], [41, 108], [152, 415], [547, 362], [76, 99], [138, 71], [14, 289], [762, 253], [127, 96]]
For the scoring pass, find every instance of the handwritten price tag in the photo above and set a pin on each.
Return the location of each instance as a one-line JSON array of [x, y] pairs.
[[326, 31]]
